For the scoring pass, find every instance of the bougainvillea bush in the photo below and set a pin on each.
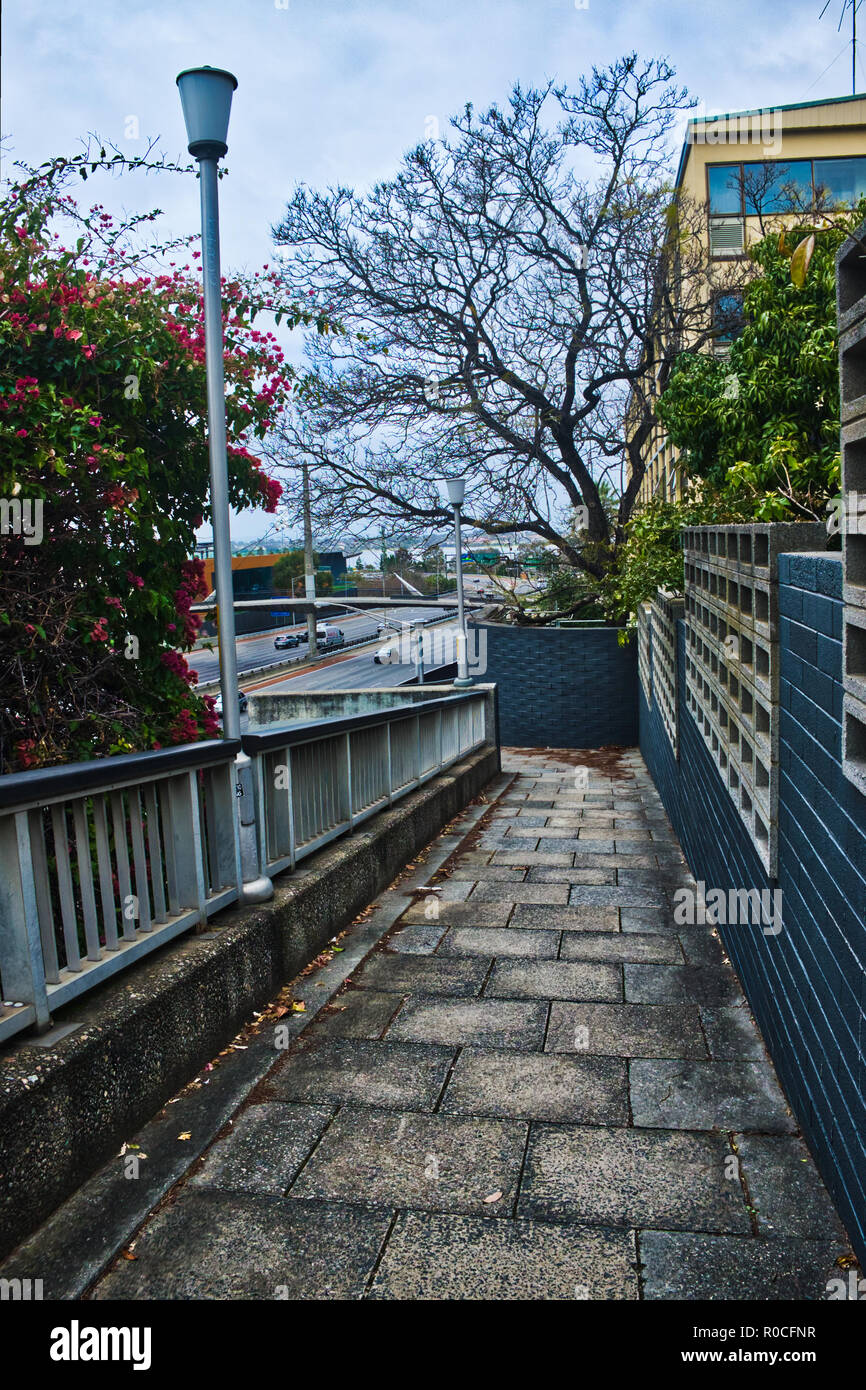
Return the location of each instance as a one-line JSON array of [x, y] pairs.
[[104, 470]]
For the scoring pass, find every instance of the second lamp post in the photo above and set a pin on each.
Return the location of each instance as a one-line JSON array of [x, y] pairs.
[[456, 488]]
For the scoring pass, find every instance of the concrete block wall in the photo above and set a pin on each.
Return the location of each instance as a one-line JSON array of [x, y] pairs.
[[806, 985], [732, 661], [562, 687], [666, 610]]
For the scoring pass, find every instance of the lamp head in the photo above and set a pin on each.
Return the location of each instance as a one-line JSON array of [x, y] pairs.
[[206, 98], [456, 488]]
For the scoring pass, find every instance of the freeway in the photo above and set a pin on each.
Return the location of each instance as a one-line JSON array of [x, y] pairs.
[[257, 649]]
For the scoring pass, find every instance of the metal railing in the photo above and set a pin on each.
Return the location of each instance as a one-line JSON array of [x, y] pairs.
[[102, 862], [318, 780]]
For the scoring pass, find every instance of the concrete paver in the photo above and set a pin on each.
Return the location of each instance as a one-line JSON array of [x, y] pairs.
[[537, 1086]]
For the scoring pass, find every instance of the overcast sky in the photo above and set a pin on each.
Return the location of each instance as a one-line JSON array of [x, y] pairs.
[[335, 90]]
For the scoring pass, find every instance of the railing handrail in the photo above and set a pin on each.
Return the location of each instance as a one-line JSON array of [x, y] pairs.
[[43, 785], [310, 730]]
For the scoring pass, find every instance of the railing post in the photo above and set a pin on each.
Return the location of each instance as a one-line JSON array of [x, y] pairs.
[[21, 965], [186, 842], [349, 780]]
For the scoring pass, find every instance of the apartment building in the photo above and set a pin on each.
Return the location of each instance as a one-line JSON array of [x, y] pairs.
[[746, 169]]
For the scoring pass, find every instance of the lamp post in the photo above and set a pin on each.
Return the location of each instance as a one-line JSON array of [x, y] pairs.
[[206, 98], [456, 489]]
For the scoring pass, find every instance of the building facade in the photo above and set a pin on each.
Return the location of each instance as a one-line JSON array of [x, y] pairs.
[[751, 171]]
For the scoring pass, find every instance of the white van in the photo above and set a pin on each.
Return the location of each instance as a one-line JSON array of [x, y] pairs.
[[327, 636]]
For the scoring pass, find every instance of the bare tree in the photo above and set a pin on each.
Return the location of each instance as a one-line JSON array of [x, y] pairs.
[[503, 299]]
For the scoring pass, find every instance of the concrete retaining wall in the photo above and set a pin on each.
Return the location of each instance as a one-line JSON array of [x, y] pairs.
[[64, 1111]]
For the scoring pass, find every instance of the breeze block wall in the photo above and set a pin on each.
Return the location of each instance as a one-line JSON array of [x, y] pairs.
[[562, 687], [806, 985]]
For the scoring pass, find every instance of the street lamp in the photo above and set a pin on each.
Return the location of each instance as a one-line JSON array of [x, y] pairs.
[[456, 489], [206, 98]]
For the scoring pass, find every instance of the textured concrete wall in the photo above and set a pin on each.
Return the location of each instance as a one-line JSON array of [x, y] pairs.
[[807, 985], [64, 1112], [562, 687]]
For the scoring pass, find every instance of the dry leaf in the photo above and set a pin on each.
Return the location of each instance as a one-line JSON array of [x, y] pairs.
[[186, 1135], [494, 1197], [128, 1255], [299, 1006]]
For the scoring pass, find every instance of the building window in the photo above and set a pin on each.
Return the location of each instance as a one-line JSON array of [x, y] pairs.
[[773, 185], [727, 316], [724, 189], [842, 181], [737, 191]]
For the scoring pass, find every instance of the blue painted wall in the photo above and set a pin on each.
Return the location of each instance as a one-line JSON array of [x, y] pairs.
[[563, 687], [806, 986]]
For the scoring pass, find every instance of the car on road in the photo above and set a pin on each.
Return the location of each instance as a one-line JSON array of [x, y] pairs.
[[330, 636], [242, 704], [387, 655], [287, 639], [394, 627]]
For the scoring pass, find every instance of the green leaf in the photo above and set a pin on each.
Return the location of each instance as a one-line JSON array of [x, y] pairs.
[[801, 260]]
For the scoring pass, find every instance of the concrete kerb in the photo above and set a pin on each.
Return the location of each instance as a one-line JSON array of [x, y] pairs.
[[77, 1241]]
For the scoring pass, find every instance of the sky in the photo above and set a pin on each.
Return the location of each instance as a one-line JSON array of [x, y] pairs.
[[334, 91]]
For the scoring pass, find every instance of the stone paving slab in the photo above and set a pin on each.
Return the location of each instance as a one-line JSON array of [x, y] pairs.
[[221, 1245], [582, 895], [356, 1013], [482, 914], [539, 1086], [686, 1266], [531, 860], [708, 1095], [495, 941], [555, 979], [429, 1162], [492, 873], [631, 1177], [417, 939], [732, 1034], [468, 1022], [620, 946], [547, 894], [596, 877], [419, 974], [553, 840], [457, 1257], [372, 1073], [564, 918], [265, 1148], [786, 1189], [626, 1030], [678, 984]]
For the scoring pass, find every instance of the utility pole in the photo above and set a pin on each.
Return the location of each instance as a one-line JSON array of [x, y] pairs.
[[309, 561]]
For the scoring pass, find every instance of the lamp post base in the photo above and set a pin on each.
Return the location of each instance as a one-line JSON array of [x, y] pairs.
[[258, 890], [461, 681]]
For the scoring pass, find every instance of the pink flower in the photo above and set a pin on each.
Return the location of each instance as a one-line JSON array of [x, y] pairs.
[[73, 334], [22, 434]]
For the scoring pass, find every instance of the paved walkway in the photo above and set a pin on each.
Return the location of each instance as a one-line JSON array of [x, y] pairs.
[[536, 1087]]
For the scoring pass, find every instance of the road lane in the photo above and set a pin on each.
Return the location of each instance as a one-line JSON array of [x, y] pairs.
[[257, 649]]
